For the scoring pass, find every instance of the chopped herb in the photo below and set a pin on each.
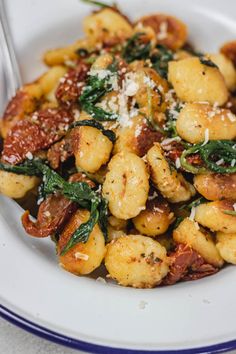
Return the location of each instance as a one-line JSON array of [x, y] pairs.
[[95, 89], [193, 204], [96, 3], [208, 62], [90, 60], [135, 49], [170, 126], [210, 153], [187, 208], [78, 192], [92, 123], [177, 221], [83, 232], [99, 113], [230, 212], [103, 214], [82, 52], [28, 168], [160, 59]]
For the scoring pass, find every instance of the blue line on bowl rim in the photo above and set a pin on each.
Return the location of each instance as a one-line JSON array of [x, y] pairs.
[[58, 338]]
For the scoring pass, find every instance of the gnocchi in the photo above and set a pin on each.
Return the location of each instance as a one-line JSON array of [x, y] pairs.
[[215, 186], [16, 186], [155, 219], [226, 245], [188, 232], [214, 216], [226, 68], [107, 24], [195, 82], [85, 140], [136, 261], [197, 121], [83, 258], [171, 184], [126, 185]]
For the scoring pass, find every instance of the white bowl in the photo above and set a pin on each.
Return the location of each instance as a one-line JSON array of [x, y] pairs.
[[37, 295]]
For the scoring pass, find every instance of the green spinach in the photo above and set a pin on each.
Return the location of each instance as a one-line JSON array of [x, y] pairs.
[[135, 49], [210, 153], [78, 192]]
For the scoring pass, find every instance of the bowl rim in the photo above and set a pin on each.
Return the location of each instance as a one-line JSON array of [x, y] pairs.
[[52, 336]]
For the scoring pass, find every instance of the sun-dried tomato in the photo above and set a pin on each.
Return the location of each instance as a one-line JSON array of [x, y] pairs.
[[173, 150], [60, 152], [194, 159], [229, 50], [53, 214], [71, 85], [20, 105], [35, 133], [146, 138], [170, 31], [187, 264]]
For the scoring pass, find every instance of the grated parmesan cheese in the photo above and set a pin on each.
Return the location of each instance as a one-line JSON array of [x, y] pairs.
[[163, 31], [142, 304], [76, 114], [83, 256], [149, 82], [220, 162], [206, 137], [142, 208], [131, 88], [101, 73], [62, 80], [151, 197], [138, 131], [29, 155], [231, 117], [169, 140], [40, 200], [192, 214], [177, 163], [101, 280], [158, 209], [70, 63]]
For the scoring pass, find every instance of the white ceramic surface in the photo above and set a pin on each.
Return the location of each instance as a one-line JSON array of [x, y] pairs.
[[187, 315]]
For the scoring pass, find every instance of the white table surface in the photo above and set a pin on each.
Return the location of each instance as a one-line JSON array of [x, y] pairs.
[[14, 340]]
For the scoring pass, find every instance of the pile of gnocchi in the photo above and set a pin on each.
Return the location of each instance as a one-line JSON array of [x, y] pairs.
[[124, 152]]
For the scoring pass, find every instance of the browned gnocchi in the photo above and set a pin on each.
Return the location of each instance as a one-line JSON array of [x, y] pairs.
[[189, 233], [217, 215], [137, 261], [83, 258], [171, 184], [198, 119], [155, 219], [126, 185], [226, 245], [194, 81]]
